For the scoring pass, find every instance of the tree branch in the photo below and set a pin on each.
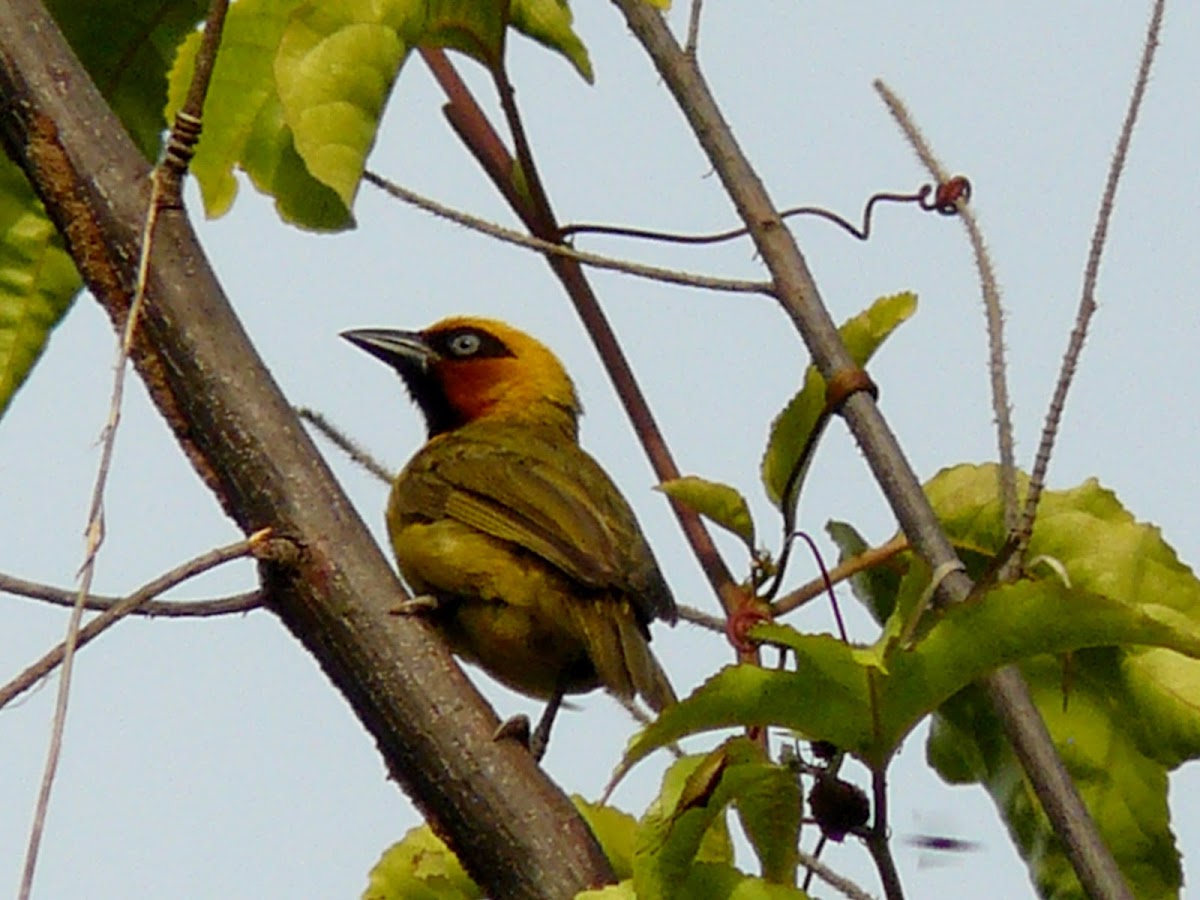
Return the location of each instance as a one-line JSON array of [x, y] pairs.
[[127, 606], [797, 292], [496, 809], [151, 609]]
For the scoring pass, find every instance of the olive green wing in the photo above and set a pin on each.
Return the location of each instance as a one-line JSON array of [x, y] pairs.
[[550, 498]]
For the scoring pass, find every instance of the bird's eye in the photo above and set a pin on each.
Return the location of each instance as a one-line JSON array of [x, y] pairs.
[[464, 344]]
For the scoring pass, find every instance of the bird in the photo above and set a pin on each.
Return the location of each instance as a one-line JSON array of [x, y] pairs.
[[518, 547]]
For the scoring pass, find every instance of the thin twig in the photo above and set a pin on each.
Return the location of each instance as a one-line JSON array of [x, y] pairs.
[[152, 609], [94, 538], [185, 132], [833, 879], [704, 620], [346, 444], [127, 605], [878, 844], [1087, 300], [508, 235], [693, 32], [164, 193], [868, 559], [992, 305]]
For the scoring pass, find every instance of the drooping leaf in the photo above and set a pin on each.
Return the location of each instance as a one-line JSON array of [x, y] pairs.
[[549, 23], [798, 426], [717, 502], [420, 867], [334, 69], [1130, 715], [1126, 793], [38, 280], [683, 847], [300, 88], [244, 124]]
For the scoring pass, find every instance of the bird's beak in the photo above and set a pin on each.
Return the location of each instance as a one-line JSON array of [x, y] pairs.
[[399, 349]]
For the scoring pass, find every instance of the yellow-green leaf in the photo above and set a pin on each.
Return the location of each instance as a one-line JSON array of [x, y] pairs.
[[549, 23], [38, 280], [1130, 715], [420, 867], [615, 830], [797, 428], [842, 694], [717, 502], [334, 70], [675, 835], [244, 123]]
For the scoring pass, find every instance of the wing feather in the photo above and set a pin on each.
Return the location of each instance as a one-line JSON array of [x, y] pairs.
[[551, 499]]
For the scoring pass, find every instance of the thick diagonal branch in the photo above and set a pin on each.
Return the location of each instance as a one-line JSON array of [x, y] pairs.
[[514, 830]]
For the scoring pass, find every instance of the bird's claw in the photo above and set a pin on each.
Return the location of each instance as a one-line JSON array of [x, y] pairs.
[[516, 728], [415, 606]]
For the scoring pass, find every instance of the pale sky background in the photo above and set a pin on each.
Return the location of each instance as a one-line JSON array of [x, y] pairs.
[[211, 759]]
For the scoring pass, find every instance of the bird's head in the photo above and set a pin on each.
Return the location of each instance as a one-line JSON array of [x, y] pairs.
[[464, 369]]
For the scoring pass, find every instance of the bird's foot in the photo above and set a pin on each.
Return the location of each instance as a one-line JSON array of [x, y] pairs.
[[416, 606], [516, 728]]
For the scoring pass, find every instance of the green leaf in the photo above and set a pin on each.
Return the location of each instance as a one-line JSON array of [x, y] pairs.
[[473, 27], [680, 828], [717, 502], [1130, 715], [845, 695], [876, 587], [38, 280], [549, 23], [798, 427], [615, 830], [420, 867], [770, 808], [300, 86], [244, 124], [127, 47], [334, 70], [1126, 793]]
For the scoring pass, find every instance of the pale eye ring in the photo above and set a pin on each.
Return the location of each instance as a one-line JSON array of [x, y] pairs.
[[464, 344]]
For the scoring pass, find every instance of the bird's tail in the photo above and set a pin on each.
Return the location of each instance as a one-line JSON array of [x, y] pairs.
[[620, 652], [647, 675]]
